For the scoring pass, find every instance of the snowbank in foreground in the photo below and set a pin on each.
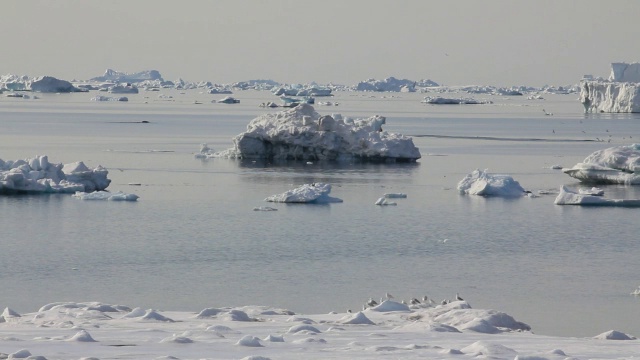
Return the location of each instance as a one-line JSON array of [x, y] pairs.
[[317, 193], [72, 330], [300, 133], [481, 182], [614, 165], [38, 175]]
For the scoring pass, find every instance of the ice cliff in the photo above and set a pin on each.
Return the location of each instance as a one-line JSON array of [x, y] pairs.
[[620, 94]]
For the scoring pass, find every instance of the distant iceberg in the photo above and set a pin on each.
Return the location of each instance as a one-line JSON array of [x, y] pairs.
[[116, 76], [390, 84], [300, 133], [126, 88], [620, 94], [44, 84], [453, 101], [38, 175], [614, 165]]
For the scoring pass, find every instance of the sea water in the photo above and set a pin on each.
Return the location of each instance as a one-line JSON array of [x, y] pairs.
[[193, 239]]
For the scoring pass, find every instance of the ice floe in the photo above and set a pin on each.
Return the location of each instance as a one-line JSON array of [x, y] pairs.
[[300, 133], [454, 101], [109, 98], [105, 195], [569, 197]]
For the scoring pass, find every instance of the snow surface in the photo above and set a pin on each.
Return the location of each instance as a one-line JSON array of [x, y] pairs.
[[92, 330], [300, 133], [614, 165], [317, 193], [481, 182], [38, 175]]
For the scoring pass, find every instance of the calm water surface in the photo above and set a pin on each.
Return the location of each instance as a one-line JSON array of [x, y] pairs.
[[194, 241]]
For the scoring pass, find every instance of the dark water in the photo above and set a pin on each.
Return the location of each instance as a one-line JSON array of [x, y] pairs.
[[194, 241]]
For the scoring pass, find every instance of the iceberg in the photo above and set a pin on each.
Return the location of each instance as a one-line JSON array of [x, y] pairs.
[[389, 84], [614, 165], [317, 193], [117, 76], [44, 84], [482, 183], [300, 133], [126, 88], [38, 175], [105, 195], [620, 94]]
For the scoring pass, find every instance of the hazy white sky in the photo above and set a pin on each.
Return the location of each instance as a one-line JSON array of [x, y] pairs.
[[510, 42]]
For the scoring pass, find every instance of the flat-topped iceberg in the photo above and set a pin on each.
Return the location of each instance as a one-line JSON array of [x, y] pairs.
[[317, 193], [614, 165], [620, 94], [482, 183], [300, 133], [38, 175]]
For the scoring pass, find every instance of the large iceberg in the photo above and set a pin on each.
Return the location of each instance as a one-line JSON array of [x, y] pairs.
[[620, 94], [300, 133], [38, 175], [614, 165]]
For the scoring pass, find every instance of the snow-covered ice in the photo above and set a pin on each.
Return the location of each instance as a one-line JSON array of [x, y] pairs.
[[586, 198], [480, 182], [105, 195], [317, 193], [38, 175], [93, 330], [109, 98], [614, 165], [300, 133]]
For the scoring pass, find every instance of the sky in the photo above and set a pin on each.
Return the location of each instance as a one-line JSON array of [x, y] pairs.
[[492, 42]]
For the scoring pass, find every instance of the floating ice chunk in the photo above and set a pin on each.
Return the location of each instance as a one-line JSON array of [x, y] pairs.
[[395, 195], [482, 183], [264, 208], [317, 193], [227, 100], [594, 191], [108, 98], [568, 197], [384, 201], [125, 88], [614, 335], [105, 195], [614, 165], [300, 133]]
